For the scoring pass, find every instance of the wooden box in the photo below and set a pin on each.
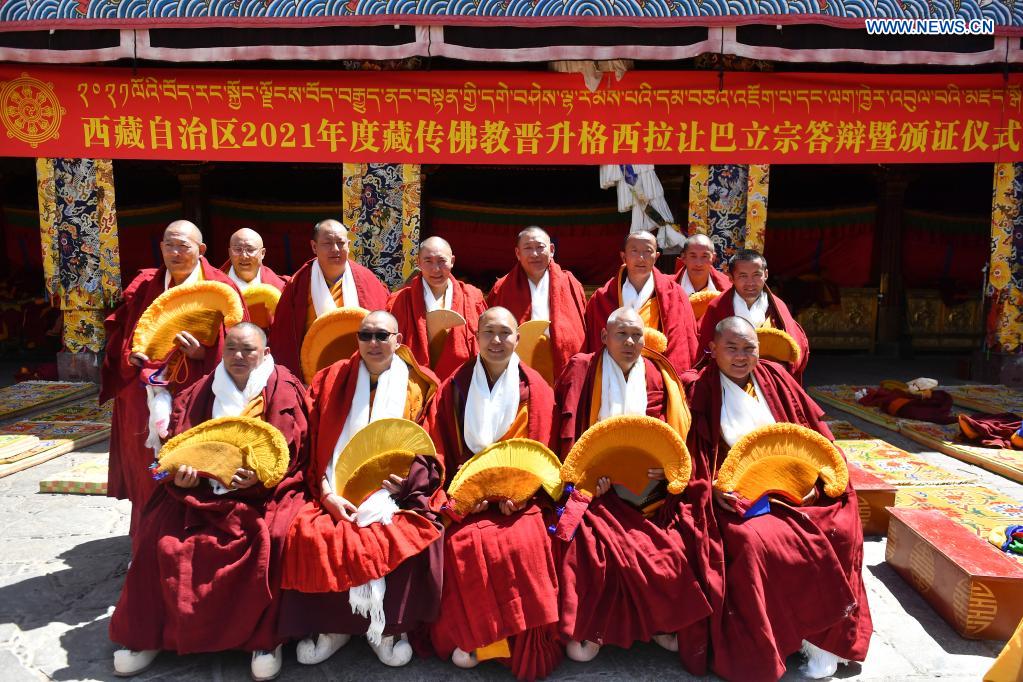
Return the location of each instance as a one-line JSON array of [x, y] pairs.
[[968, 581], [874, 496]]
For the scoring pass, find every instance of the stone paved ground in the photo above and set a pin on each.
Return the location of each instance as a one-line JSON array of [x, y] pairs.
[[63, 559]]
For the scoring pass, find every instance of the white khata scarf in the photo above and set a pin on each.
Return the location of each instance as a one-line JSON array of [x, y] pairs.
[[755, 314], [432, 303], [635, 299], [741, 412], [319, 292], [241, 283], [192, 278], [619, 395], [489, 413], [540, 297], [228, 401], [687, 285]]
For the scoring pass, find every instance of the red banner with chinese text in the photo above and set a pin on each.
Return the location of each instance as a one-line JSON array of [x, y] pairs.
[[509, 117]]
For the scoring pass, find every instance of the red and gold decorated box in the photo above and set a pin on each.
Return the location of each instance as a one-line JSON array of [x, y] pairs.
[[874, 497], [972, 585]]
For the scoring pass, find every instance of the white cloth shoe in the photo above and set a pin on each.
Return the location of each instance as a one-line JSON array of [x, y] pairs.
[[128, 662], [394, 653], [582, 652], [669, 642], [311, 652], [464, 659], [819, 663], [266, 665]]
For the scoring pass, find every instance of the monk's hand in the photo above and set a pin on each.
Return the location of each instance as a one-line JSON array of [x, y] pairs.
[[393, 484], [138, 359], [190, 346], [243, 478], [655, 474], [726, 501], [508, 507], [810, 497], [338, 507], [481, 507], [186, 477], [603, 485]]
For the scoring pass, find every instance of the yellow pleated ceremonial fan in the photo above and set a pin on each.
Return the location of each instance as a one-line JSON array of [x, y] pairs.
[[380, 449], [654, 340], [778, 345], [784, 460], [534, 348], [200, 309], [330, 338], [514, 469], [221, 446], [261, 300], [700, 300], [623, 448]]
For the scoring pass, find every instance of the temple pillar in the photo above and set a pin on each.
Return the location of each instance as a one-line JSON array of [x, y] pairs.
[[891, 314]]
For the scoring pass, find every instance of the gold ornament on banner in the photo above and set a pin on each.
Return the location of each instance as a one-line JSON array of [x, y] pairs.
[[30, 110]]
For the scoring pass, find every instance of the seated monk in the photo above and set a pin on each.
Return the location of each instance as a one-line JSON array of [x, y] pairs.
[[326, 547], [660, 302], [751, 299], [207, 567], [500, 596], [694, 269], [245, 266], [787, 580], [435, 288], [540, 289], [325, 283], [128, 475], [622, 579]]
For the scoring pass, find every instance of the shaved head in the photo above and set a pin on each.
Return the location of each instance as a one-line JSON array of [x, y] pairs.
[[435, 244], [735, 349], [248, 236], [245, 328], [735, 325], [623, 338], [181, 249], [246, 252], [380, 319], [328, 224], [642, 236], [377, 354], [244, 350], [183, 228], [626, 316], [534, 251], [499, 314], [698, 239], [498, 337], [435, 262], [532, 231]]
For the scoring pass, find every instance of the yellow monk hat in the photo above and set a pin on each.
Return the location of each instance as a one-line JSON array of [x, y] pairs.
[[654, 340], [514, 469], [532, 341], [261, 300], [700, 300], [623, 448], [219, 447], [381, 448], [330, 338], [778, 345], [785, 460], [200, 309]]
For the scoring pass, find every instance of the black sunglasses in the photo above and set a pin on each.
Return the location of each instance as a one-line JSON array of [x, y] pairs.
[[368, 336]]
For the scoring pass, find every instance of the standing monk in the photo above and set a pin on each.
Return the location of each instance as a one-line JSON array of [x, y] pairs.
[[128, 475], [325, 546], [500, 596], [789, 579], [206, 573], [245, 266], [434, 288], [539, 289], [751, 299], [694, 269], [622, 579], [660, 302], [326, 282]]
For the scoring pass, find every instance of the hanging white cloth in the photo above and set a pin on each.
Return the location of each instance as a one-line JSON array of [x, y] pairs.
[[741, 412], [241, 283], [687, 284], [755, 314], [618, 394], [489, 413], [540, 297], [432, 302], [637, 299], [319, 291], [192, 278], [367, 600], [388, 402], [158, 400]]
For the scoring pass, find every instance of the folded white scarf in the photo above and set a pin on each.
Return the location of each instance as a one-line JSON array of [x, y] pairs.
[[687, 284], [540, 297], [755, 314], [619, 395], [635, 299], [367, 600], [388, 402], [192, 278], [741, 412], [241, 283], [228, 401], [489, 413], [158, 400], [432, 303], [319, 290]]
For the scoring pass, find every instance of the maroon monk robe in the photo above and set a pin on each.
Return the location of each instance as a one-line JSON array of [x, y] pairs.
[[777, 579], [622, 579], [677, 322], [722, 307], [128, 475], [266, 276], [935, 408], [992, 430], [288, 328], [567, 307], [500, 579], [206, 573], [409, 307], [720, 279], [414, 586]]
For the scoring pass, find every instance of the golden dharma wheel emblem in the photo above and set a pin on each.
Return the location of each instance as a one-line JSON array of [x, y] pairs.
[[30, 110]]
